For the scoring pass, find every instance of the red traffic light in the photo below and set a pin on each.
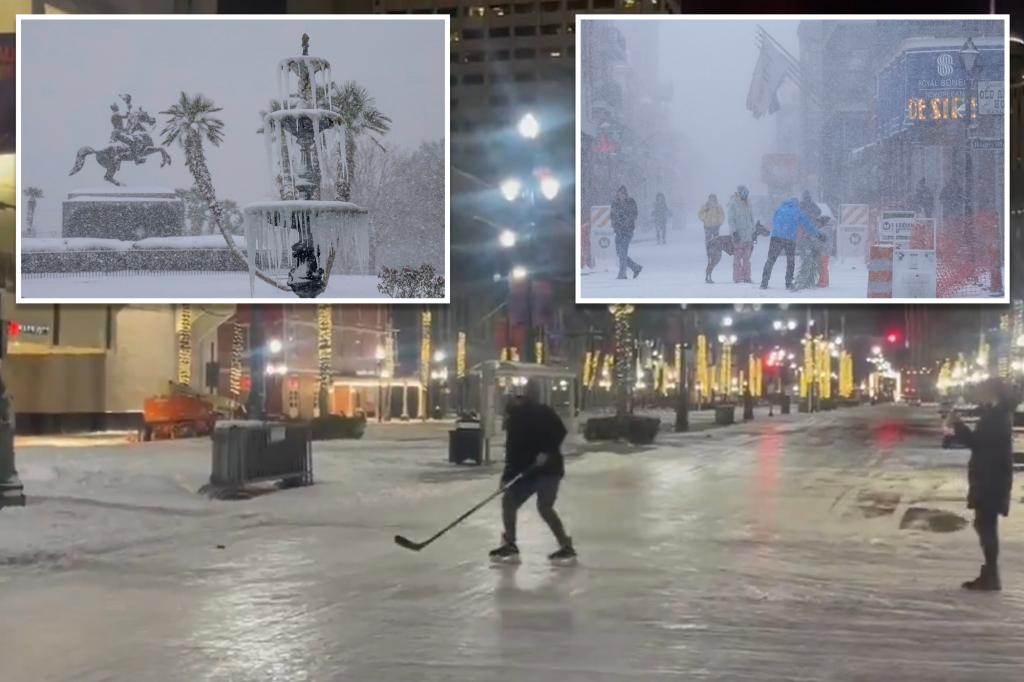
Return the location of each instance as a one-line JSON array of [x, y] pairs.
[[13, 329], [893, 337]]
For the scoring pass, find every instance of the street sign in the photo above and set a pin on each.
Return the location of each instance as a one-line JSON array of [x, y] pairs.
[[896, 227], [602, 237], [851, 242], [913, 273], [990, 98]]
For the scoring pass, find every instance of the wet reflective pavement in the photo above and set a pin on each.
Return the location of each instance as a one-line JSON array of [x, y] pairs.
[[769, 551]]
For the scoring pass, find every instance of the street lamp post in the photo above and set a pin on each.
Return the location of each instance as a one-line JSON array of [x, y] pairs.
[[682, 385], [257, 403], [11, 490], [379, 356]]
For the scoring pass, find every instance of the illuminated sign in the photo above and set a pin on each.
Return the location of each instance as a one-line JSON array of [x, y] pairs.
[[940, 109]]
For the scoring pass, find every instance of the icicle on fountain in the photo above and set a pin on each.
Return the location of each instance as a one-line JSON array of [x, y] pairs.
[[304, 143]]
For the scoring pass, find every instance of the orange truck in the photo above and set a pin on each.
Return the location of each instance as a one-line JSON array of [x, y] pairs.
[[181, 413]]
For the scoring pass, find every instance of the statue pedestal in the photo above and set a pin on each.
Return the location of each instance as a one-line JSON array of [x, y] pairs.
[[123, 213]]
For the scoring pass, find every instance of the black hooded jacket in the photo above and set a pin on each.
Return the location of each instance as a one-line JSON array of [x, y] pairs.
[[530, 429], [990, 469]]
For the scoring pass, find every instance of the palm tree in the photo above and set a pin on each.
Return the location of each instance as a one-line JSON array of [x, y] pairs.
[[190, 120], [360, 116], [232, 213], [195, 208], [32, 194]]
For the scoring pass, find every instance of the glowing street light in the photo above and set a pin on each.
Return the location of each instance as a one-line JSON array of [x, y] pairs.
[[378, 354], [529, 126], [791, 325], [777, 325], [519, 272], [549, 187], [507, 239], [511, 188], [727, 321], [275, 345], [439, 356]]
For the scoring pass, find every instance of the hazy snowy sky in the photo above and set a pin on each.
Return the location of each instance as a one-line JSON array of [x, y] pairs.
[[710, 64], [72, 71]]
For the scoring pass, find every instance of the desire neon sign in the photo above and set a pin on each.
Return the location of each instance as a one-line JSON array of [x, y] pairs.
[[939, 108]]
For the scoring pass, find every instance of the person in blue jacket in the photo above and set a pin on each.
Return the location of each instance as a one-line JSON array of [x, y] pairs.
[[789, 218]]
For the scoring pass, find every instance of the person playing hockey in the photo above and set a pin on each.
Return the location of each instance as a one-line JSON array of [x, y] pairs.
[[534, 434]]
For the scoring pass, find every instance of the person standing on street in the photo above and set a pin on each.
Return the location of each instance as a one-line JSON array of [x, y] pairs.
[[661, 214], [741, 224], [624, 214], [989, 474], [786, 224], [534, 434], [712, 215]]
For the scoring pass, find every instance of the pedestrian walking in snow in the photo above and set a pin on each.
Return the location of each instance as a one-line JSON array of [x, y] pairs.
[[624, 213], [787, 221], [924, 200], [660, 215], [534, 434], [741, 224], [989, 474], [712, 215]]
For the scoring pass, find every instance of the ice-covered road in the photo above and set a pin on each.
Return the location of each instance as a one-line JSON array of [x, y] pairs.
[[766, 551]]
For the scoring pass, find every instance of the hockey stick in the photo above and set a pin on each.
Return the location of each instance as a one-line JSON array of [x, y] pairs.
[[405, 542]]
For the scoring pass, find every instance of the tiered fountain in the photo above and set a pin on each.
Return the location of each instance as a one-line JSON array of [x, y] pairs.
[[306, 159]]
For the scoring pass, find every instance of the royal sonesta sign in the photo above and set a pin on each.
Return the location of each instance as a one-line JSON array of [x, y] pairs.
[[927, 86]]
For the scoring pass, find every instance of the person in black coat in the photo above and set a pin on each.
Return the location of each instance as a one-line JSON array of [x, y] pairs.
[[624, 214], [534, 435], [989, 474]]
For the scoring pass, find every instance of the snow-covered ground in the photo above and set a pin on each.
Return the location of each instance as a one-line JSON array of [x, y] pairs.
[[676, 271], [181, 286], [767, 551]]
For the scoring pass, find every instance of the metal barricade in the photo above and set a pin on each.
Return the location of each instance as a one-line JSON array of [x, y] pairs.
[[247, 452]]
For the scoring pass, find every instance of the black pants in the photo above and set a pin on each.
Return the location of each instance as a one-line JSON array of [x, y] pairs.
[[659, 232], [776, 247], [546, 488], [622, 240], [986, 524]]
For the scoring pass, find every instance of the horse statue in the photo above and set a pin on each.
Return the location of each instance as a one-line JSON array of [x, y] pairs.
[[129, 141]]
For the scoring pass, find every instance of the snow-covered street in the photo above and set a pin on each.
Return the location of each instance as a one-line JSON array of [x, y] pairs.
[[676, 270], [770, 550]]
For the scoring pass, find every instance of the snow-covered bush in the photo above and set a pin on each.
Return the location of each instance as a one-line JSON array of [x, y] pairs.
[[407, 282]]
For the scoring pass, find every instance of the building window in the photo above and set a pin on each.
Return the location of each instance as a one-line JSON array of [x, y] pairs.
[[525, 7], [501, 56], [501, 10], [473, 79], [525, 77], [500, 32], [604, 4], [455, 37], [526, 53], [523, 31], [500, 78], [476, 11], [499, 101], [473, 57], [629, 4], [577, 4], [472, 33], [550, 29], [454, 56], [570, 29], [554, 5], [555, 53]]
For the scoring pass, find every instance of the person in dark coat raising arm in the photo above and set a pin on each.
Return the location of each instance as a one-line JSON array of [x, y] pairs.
[[534, 435], [989, 474]]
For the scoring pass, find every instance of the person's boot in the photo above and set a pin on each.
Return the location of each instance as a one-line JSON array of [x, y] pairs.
[[565, 556], [507, 553], [622, 274], [987, 580], [636, 270], [707, 278], [764, 285]]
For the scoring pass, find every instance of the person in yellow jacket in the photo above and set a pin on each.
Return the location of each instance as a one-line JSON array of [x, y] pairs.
[[712, 215]]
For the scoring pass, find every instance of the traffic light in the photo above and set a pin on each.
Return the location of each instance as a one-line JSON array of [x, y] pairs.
[[893, 337]]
